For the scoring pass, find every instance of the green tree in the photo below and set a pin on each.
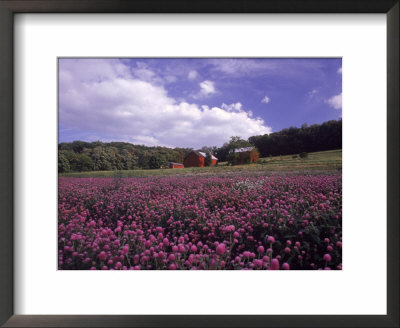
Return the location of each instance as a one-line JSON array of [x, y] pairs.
[[156, 161], [224, 153], [85, 163], [101, 160], [208, 160], [63, 163], [232, 158]]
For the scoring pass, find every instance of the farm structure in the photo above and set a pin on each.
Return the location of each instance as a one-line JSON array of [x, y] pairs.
[[197, 159], [173, 165], [246, 155]]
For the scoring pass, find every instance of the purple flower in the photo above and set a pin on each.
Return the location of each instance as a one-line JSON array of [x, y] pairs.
[[274, 264], [270, 239], [327, 257], [220, 249], [102, 256]]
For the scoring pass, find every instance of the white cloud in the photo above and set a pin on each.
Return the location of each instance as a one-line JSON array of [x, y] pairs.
[[335, 101], [339, 71], [236, 107], [242, 66], [312, 93], [170, 78], [192, 75], [142, 72], [266, 100], [206, 88], [108, 100]]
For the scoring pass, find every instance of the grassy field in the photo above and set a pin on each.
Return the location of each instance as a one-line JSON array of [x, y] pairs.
[[315, 162]]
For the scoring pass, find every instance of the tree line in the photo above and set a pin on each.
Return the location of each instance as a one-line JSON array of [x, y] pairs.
[[316, 137], [101, 156]]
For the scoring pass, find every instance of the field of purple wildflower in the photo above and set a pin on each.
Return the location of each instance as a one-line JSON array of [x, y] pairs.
[[276, 222]]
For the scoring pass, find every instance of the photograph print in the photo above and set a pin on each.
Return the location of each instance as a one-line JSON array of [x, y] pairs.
[[199, 164]]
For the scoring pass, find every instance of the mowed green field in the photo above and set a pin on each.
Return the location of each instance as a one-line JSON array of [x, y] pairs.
[[315, 163]]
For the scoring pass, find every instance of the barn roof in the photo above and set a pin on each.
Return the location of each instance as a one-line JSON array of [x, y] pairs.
[[242, 150], [202, 154]]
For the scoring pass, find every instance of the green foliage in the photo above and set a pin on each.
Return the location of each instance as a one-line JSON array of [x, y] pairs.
[[207, 149], [303, 155], [98, 156], [294, 156], [157, 161], [63, 163], [233, 158], [313, 138], [84, 163], [224, 153], [237, 142], [320, 162], [208, 160]]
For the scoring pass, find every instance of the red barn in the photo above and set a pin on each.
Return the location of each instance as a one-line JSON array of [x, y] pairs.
[[197, 159], [173, 165], [246, 155]]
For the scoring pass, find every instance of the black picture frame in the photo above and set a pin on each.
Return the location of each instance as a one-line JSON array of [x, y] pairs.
[[10, 7]]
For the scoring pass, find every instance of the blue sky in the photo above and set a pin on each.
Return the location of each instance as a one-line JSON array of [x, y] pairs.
[[193, 102]]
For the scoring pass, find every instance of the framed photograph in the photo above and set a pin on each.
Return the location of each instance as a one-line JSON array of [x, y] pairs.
[[199, 164]]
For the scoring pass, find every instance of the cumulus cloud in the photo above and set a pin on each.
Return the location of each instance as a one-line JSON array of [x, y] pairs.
[[236, 107], [207, 88], [192, 75], [142, 72], [339, 71], [335, 101], [107, 99], [266, 100]]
